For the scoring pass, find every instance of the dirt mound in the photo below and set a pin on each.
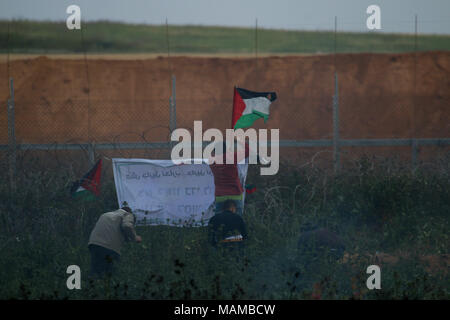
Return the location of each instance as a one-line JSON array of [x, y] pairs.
[[380, 96]]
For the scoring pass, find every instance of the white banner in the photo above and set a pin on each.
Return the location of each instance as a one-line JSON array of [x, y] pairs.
[[161, 192]]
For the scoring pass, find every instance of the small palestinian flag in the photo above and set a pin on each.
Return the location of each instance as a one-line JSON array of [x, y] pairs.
[[250, 188], [248, 106], [89, 186]]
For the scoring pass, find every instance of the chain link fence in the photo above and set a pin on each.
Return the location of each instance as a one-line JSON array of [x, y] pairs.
[[70, 130], [73, 133], [391, 119], [95, 121]]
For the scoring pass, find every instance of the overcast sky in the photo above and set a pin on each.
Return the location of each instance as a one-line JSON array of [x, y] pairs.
[[396, 15]]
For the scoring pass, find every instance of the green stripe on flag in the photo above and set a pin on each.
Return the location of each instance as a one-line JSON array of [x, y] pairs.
[[247, 120], [83, 194]]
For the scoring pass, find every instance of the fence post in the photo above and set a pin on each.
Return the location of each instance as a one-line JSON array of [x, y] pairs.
[[91, 153], [414, 152], [256, 44], [414, 144], [11, 137], [173, 105], [336, 155], [172, 111]]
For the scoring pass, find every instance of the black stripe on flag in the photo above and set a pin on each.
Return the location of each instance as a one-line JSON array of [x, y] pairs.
[[247, 94]]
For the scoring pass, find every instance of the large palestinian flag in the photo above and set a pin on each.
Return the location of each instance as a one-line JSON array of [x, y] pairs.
[[248, 106], [89, 185]]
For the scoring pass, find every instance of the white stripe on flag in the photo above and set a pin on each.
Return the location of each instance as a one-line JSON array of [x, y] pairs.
[[260, 104], [238, 237]]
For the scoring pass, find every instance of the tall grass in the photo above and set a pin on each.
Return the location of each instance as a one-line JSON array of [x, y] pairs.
[[375, 207]]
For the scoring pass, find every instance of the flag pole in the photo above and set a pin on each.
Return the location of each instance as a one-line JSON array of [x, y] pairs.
[[232, 111]]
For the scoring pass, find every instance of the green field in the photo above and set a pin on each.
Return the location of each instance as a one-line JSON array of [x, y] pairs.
[[374, 208], [21, 36]]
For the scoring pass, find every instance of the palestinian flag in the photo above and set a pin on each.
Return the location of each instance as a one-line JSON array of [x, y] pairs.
[[248, 106], [89, 185], [250, 188]]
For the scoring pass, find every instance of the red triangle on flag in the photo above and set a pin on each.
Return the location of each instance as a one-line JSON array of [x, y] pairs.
[[238, 107], [91, 181]]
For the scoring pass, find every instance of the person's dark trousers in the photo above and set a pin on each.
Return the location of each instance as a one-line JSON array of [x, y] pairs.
[[102, 261]]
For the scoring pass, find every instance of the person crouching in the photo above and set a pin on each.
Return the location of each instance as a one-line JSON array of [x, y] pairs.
[[227, 228], [107, 238]]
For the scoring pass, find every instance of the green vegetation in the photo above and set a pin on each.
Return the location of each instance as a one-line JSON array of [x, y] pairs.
[[374, 207], [112, 37]]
